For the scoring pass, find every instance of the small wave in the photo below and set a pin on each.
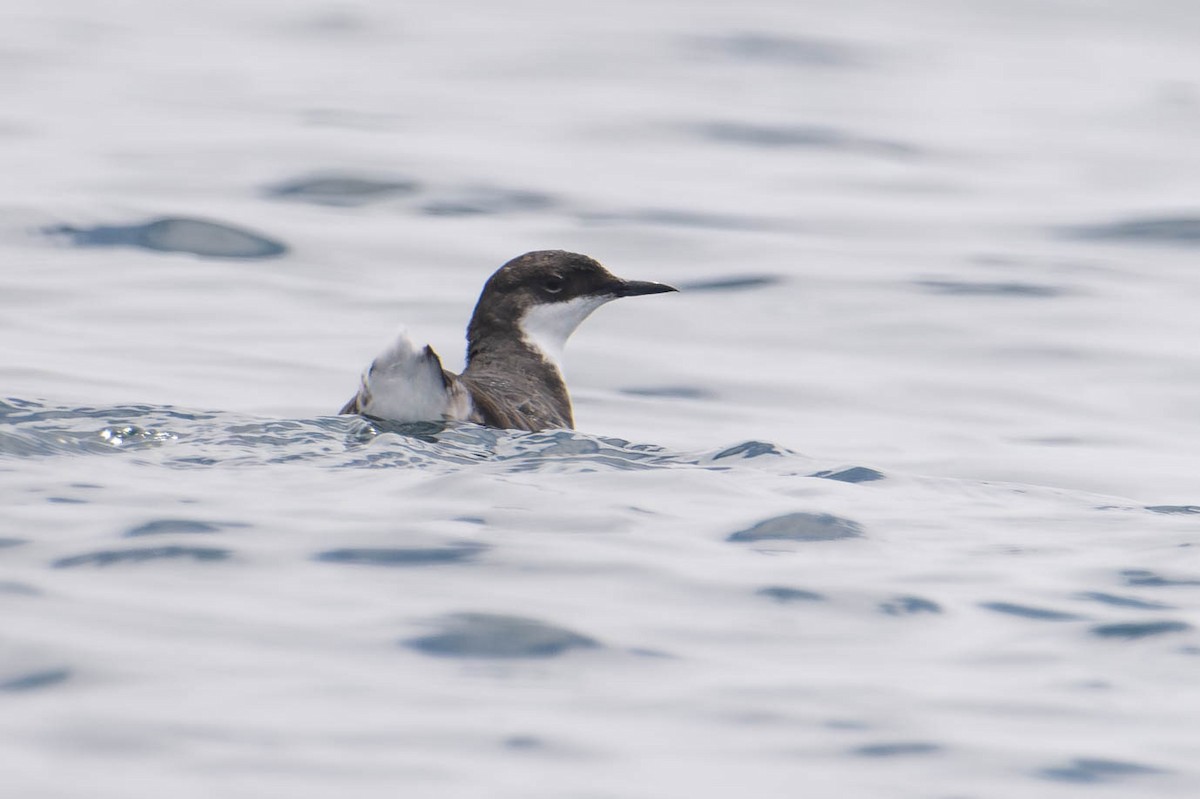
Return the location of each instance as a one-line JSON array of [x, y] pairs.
[[180, 438]]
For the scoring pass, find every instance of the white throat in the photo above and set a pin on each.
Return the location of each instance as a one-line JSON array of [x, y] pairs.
[[546, 327]]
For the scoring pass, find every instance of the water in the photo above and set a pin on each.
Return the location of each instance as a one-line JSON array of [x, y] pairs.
[[897, 498]]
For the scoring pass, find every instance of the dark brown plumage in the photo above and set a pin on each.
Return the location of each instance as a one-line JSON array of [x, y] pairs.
[[525, 312]]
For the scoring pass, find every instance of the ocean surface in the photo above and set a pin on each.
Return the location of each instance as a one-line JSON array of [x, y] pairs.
[[898, 497]]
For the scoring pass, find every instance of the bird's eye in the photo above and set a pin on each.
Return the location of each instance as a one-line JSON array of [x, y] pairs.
[[553, 285]]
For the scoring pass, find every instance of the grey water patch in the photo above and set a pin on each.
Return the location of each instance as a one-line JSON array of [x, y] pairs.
[[5, 543], [958, 288], [569, 446], [855, 474], [487, 200], [669, 392], [351, 119], [66, 500], [128, 437], [1123, 601], [375, 425], [897, 749], [799, 527], [523, 742], [1057, 441], [423, 431], [177, 234], [13, 588], [465, 444], [110, 557], [194, 461], [747, 450], [342, 190], [34, 680], [909, 606], [170, 526], [488, 635], [1028, 612], [34, 430], [1175, 510], [333, 21], [15, 410], [785, 594], [1175, 230], [1090, 770], [798, 51], [816, 137], [1133, 630], [402, 556], [732, 283], [847, 724], [645, 652], [679, 217], [1149, 579]]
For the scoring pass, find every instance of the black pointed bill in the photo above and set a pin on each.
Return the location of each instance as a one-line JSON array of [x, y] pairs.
[[636, 288]]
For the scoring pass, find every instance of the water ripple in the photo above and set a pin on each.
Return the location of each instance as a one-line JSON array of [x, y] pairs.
[[193, 440]]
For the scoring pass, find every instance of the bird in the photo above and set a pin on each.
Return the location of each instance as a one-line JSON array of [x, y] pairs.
[[526, 312]]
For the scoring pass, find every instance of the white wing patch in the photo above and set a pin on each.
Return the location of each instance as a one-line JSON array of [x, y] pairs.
[[546, 327], [406, 384]]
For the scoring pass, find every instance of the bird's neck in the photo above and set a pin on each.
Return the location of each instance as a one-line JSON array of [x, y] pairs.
[[513, 351]]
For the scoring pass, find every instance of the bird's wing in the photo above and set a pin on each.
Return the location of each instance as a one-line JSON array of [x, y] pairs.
[[407, 384], [496, 402]]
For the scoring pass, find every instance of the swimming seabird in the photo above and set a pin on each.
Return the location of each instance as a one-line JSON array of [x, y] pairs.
[[512, 380]]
